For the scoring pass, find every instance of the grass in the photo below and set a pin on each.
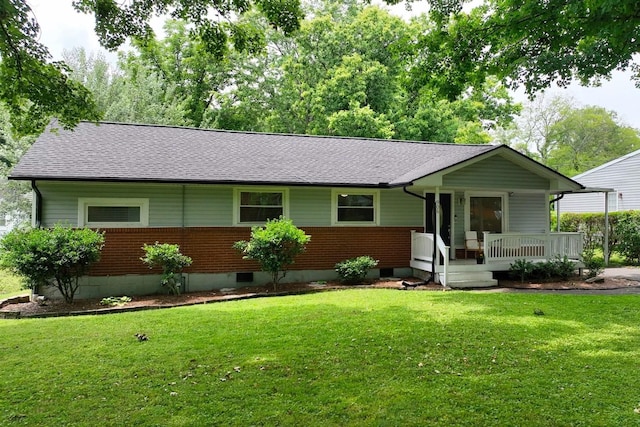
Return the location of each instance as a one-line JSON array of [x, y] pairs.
[[356, 357], [10, 285]]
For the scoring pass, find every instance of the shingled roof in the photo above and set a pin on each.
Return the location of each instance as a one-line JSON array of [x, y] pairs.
[[149, 153]]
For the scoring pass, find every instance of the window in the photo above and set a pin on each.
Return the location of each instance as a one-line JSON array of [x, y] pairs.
[[259, 206], [355, 207], [103, 212], [486, 214]]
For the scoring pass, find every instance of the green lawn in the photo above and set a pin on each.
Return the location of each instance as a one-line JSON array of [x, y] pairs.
[[10, 285], [356, 357]]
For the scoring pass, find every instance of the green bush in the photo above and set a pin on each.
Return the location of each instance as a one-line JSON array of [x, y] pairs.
[[355, 270], [115, 301], [628, 237], [621, 229], [274, 247], [168, 257], [522, 269], [593, 264], [55, 257], [560, 267]]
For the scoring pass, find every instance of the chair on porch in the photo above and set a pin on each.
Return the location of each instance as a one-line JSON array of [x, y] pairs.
[[471, 243]]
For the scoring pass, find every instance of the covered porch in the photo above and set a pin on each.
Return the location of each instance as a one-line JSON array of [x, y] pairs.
[[499, 251]]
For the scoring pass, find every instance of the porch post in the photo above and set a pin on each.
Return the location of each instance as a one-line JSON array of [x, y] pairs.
[[605, 249]]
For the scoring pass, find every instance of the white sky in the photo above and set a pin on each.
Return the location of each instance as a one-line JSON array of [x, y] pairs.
[[64, 28]]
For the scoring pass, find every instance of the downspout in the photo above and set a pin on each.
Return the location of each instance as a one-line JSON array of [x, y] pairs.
[[435, 248], [38, 207]]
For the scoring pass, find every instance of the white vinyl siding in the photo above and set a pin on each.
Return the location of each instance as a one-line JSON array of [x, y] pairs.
[[213, 205], [528, 213], [622, 175], [494, 173]]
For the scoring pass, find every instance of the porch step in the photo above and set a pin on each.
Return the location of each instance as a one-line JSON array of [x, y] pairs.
[[471, 279]]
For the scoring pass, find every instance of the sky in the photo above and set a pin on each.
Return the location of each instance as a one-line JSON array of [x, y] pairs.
[[64, 28]]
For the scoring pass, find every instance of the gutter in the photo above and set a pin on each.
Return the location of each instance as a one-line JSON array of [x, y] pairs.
[[433, 213], [38, 206]]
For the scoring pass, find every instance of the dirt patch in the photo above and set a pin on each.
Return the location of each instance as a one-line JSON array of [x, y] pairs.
[[92, 306]]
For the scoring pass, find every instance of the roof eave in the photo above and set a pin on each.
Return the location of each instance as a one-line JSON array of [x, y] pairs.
[[207, 182]]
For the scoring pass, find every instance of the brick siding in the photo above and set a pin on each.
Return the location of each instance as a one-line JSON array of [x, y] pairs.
[[212, 252]]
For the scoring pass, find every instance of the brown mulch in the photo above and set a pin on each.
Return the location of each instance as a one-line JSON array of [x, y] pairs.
[[92, 306]]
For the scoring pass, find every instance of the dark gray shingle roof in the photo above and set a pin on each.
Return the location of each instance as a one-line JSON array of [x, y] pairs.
[[131, 152]]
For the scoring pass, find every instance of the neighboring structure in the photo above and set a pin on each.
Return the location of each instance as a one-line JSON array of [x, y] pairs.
[[621, 174], [204, 189]]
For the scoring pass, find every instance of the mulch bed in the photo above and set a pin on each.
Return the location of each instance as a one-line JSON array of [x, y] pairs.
[[52, 308]]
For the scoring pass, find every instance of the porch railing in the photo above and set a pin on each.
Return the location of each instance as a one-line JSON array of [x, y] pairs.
[[422, 253], [512, 246], [497, 248]]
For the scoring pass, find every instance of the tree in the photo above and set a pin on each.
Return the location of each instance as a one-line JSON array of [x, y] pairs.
[[55, 257], [532, 130], [32, 86], [275, 247], [345, 72], [212, 21], [588, 137], [14, 195], [533, 42]]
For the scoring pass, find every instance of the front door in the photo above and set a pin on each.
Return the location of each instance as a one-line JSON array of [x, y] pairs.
[[445, 218]]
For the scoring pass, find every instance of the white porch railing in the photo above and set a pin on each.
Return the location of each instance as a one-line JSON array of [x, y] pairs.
[[512, 246], [499, 249], [422, 254]]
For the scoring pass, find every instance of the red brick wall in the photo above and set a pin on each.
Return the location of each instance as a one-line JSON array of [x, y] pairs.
[[212, 252]]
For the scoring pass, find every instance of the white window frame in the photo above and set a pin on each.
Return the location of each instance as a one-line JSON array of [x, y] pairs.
[[337, 192], [236, 202], [85, 202], [505, 208]]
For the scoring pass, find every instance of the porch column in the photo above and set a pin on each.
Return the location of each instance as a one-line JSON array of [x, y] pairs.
[[605, 249]]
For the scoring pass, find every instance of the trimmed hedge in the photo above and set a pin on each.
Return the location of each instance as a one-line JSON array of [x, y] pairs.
[[592, 225]]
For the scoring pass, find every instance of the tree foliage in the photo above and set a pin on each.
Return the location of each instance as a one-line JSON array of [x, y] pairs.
[[588, 137], [32, 86], [569, 138], [533, 42], [55, 257], [274, 246], [349, 71]]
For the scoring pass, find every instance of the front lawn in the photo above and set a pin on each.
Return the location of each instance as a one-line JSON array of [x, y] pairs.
[[356, 357], [10, 285]]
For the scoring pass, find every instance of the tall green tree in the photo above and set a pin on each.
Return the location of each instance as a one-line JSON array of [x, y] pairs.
[[588, 137], [345, 73], [33, 87], [532, 42]]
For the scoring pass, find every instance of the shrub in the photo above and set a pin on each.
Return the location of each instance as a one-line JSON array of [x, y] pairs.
[[594, 265], [628, 237], [354, 270], [274, 247], [562, 267], [55, 257], [168, 257], [522, 269], [115, 301]]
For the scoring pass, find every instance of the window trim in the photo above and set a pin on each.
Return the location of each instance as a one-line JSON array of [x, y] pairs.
[[85, 202], [237, 206], [505, 208], [336, 192]]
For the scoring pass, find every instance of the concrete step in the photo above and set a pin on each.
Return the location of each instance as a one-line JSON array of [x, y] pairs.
[[459, 284], [471, 279]]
